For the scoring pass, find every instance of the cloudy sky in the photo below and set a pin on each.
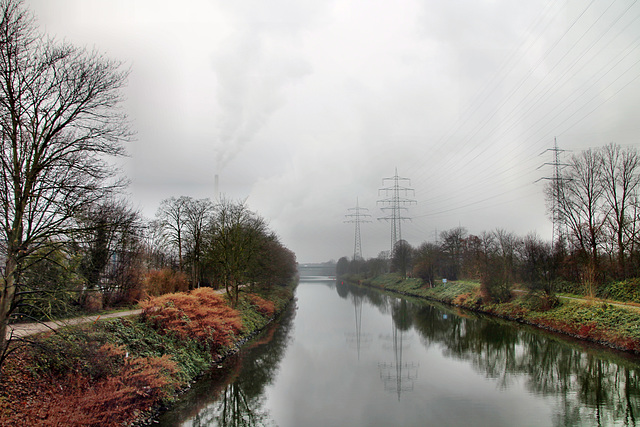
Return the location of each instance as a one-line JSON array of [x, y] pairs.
[[304, 107]]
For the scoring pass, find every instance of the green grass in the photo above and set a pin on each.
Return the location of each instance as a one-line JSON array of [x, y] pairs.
[[414, 287], [618, 327]]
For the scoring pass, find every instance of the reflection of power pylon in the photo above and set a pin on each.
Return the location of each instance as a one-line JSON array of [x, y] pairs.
[[358, 338], [398, 376]]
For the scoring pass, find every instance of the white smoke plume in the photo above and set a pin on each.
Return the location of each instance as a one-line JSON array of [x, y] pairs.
[[252, 75]]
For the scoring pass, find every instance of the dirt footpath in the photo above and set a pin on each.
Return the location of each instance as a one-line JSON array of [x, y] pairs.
[[24, 329]]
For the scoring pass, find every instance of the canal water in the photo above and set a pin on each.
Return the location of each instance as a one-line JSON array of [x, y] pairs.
[[351, 356]]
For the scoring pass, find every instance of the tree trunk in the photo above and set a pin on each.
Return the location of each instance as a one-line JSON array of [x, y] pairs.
[[7, 296]]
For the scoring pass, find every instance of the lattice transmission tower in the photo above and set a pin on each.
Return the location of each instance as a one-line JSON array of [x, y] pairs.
[[394, 204], [556, 188], [357, 216]]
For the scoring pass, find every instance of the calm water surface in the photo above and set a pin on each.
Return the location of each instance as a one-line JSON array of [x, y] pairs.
[[347, 356]]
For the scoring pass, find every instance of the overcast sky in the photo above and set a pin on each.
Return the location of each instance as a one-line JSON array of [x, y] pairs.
[[303, 107]]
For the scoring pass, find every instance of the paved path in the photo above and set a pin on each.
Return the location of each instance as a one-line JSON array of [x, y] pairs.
[[25, 329]]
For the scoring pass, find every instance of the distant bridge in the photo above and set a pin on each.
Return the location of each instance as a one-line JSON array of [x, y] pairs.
[[326, 270]]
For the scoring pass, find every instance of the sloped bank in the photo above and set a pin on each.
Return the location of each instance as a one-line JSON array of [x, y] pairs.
[[123, 371], [598, 322]]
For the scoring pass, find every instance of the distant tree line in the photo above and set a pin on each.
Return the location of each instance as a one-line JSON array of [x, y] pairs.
[[595, 204]]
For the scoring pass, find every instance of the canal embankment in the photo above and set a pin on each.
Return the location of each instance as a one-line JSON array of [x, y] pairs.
[[123, 371], [606, 323]]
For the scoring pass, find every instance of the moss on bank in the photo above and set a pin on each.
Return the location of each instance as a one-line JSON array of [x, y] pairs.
[[120, 371], [603, 323]]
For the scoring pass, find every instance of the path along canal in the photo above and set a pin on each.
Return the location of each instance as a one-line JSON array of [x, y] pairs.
[[351, 356]]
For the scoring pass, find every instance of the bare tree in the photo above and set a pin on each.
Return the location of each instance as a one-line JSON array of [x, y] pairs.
[[452, 247], [621, 179], [59, 124], [172, 220], [581, 210], [427, 259], [234, 243], [109, 243], [507, 244], [581, 198], [402, 259], [537, 268], [198, 215]]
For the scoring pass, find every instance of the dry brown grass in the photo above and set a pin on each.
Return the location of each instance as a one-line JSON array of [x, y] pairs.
[[165, 281], [76, 399], [202, 314], [265, 307]]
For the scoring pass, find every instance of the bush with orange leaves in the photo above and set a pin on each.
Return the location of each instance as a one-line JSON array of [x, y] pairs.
[[76, 398], [265, 307], [201, 314]]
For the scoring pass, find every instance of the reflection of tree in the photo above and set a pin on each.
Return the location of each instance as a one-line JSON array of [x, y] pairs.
[[237, 409], [342, 288], [589, 385], [399, 376], [234, 395], [372, 296]]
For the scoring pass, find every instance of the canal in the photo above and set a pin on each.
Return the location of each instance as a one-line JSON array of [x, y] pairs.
[[351, 356]]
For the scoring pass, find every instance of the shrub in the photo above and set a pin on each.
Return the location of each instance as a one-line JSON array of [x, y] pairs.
[[494, 289], [540, 301], [265, 307], [626, 290], [133, 386], [201, 314], [165, 281]]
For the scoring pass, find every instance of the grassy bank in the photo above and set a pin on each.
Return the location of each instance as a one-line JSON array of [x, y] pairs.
[[120, 371], [592, 320]]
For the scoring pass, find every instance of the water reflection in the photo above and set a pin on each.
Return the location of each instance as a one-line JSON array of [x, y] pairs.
[[233, 395], [398, 376], [428, 365], [591, 389], [358, 339]]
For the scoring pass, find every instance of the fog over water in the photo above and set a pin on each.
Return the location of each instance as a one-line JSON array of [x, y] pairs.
[[304, 107]]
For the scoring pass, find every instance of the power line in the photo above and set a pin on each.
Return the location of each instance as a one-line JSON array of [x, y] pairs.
[[567, 100]]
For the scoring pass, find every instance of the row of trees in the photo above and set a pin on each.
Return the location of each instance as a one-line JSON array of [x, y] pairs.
[[497, 259], [66, 234], [219, 243], [112, 256], [594, 203]]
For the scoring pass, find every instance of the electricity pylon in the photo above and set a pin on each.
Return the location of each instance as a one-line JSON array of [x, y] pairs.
[[395, 203], [556, 183], [357, 216]]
